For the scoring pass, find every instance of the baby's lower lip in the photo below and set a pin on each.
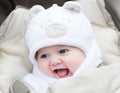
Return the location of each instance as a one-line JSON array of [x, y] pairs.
[[62, 73]]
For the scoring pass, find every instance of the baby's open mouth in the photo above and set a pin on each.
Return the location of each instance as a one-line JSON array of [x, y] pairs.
[[64, 72]]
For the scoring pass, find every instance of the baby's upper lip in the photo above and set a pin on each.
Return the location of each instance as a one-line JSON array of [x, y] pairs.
[[61, 68], [55, 70]]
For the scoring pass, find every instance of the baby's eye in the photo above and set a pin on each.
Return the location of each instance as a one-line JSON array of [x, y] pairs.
[[63, 51], [44, 56]]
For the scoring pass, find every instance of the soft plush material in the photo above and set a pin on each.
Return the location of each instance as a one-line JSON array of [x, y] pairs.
[[113, 7], [14, 63], [106, 15], [102, 80]]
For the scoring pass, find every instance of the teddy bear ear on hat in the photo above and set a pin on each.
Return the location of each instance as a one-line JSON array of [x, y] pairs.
[[73, 6], [35, 10]]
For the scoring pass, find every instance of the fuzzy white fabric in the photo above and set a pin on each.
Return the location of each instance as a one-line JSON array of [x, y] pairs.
[[65, 25]]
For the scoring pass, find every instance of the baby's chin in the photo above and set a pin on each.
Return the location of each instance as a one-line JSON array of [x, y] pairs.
[[62, 73]]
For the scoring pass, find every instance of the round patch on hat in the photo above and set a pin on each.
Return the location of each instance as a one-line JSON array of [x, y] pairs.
[[55, 30]]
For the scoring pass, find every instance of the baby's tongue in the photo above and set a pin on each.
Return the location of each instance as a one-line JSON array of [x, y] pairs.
[[62, 73]]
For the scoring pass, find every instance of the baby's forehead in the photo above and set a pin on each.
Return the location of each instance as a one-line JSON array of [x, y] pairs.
[[57, 47], [54, 47]]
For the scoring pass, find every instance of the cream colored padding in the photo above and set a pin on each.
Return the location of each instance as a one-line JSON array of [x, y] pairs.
[[102, 80], [108, 41], [105, 31], [96, 12], [107, 17], [14, 62], [93, 12]]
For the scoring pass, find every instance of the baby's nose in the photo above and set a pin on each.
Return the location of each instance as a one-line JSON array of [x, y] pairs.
[[55, 61]]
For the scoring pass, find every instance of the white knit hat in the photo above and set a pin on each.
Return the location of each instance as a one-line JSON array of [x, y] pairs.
[[65, 25], [57, 25]]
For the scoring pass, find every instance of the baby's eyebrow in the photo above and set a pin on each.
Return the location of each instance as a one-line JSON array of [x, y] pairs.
[[40, 51], [63, 48]]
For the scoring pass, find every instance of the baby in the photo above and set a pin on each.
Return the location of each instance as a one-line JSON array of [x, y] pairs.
[[61, 44]]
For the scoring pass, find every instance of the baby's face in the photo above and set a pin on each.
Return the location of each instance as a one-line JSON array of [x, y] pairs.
[[59, 61]]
